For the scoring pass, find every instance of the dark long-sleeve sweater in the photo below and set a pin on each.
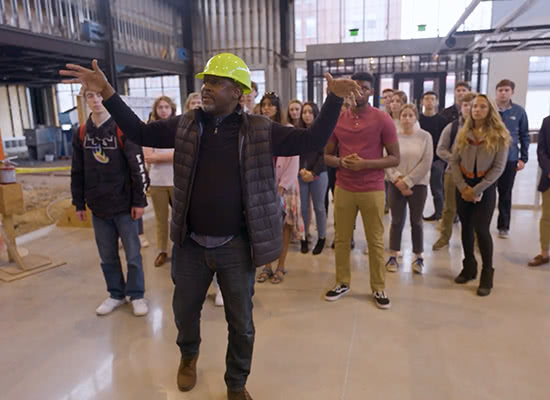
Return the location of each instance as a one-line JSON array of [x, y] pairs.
[[286, 140], [216, 198]]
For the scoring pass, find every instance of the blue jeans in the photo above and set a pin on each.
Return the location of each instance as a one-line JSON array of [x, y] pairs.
[[192, 269], [318, 190], [107, 232], [436, 186]]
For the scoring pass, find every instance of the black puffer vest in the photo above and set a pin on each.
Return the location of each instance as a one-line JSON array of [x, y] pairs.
[[262, 206]]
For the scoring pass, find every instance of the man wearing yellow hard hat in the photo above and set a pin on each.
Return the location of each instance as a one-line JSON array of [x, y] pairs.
[[227, 216]]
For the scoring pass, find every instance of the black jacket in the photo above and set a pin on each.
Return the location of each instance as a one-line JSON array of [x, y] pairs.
[[107, 174], [450, 114], [543, 154], [259, 140]]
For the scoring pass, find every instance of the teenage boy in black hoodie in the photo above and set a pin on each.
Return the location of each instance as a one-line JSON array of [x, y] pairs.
[[109, 176]]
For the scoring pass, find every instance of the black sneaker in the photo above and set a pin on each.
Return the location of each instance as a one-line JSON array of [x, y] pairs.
[[336, 292], [318, 247], [432, 217], [305, 246], [381, 300]]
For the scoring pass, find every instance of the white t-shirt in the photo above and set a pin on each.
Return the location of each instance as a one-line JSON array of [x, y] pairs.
[[162, 174]]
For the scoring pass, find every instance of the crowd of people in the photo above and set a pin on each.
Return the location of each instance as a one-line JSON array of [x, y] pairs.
[[244, 180]]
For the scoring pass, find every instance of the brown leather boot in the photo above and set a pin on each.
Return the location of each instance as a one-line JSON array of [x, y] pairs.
[[161, 259], [187, 374], [241, 395]]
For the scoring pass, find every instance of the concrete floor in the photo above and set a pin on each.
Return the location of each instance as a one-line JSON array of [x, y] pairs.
[[439, 341]]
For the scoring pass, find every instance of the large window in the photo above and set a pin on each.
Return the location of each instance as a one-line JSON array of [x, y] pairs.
[[538, 91], [339, 21], [301, 84], [156, 86], [329, 21], [258, 76], [66, 95], [435, 18]]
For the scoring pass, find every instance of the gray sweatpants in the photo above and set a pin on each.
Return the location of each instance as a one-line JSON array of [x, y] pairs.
[[398, 208]]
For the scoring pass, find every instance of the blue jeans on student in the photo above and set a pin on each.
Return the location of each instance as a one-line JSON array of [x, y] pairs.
[[192, 269], [107, 232], [317, 189]]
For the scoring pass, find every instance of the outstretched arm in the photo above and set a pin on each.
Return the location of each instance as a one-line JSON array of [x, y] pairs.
[[156, 134]]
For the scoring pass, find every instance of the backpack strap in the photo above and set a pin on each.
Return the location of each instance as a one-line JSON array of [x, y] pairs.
[[119, 135], [454, 131], [82, 133]]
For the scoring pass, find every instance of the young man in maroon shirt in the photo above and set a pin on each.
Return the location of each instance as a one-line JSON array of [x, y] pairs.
[[361, 135]]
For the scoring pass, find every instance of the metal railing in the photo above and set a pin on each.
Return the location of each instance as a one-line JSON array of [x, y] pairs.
[[146, 27]]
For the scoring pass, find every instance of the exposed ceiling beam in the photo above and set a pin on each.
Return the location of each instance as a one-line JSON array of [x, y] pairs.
[[522, 8], [469, 10], [535, 36]]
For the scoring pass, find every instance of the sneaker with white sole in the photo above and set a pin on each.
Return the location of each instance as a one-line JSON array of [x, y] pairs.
[[336, 292], [392, 265], [418, 265], [503, 234], [218, 301], [381, 300], [109, 305], [143, 241], [140, 307]]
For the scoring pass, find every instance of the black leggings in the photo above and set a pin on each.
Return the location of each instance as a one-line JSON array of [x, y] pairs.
[[476, 217]]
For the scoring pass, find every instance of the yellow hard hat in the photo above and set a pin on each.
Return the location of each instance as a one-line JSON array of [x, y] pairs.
[[227, 65]]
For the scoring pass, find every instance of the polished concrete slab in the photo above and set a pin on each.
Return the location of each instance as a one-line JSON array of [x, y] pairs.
[[439, 341]]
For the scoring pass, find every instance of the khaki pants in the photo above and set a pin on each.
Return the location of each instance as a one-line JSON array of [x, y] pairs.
[[161, 197], [449, 207], [371, 206], [545, 221]]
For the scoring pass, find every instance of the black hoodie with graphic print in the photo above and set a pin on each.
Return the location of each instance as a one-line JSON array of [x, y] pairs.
[[108, 172]]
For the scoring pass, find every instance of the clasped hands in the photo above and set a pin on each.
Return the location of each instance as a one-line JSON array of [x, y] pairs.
[[402, 187], [353, 162], [306, 175], [468, 194]]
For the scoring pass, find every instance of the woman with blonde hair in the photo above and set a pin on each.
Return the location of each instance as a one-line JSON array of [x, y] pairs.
[[192, 102], [478, 160], [162, 178]]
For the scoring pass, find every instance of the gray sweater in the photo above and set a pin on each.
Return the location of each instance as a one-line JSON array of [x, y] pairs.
[[415, 162], [488, 165], [444, 150]]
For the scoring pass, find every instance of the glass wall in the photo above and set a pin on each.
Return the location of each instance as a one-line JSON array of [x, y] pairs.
[[484, 75], [538, 91]]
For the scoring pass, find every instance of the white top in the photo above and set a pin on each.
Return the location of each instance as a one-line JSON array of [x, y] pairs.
[[162, 174], [416, 155]]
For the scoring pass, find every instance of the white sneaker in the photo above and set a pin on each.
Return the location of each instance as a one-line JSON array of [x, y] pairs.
[[140, 307], [218, 301], [143, 241], [109, 305]]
